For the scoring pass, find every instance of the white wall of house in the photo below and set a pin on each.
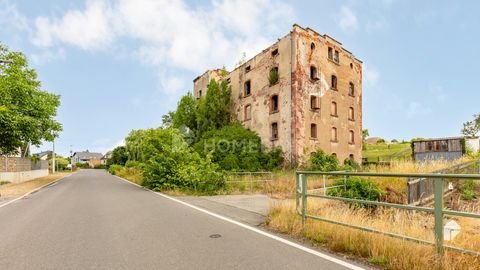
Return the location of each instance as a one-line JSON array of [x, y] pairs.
[[472, 144]]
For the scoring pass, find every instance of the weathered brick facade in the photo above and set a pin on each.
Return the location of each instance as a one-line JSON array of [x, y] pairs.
[[315, 104]]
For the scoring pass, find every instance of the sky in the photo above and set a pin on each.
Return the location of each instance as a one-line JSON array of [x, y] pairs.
[[121, 65]]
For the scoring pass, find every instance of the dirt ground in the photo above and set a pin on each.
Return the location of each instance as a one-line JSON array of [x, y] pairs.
[[18, 189]]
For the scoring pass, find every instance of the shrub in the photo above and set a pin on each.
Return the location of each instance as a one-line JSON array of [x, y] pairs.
[[114, 169], [100, 166], [320, 161], [273, 76], [356, 188], [134, 164], [119, 156], [350, 164], [169, 163], [82, 165], [235, 148], [467, 188]]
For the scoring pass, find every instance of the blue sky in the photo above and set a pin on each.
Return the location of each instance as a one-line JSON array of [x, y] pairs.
[[120, 65]]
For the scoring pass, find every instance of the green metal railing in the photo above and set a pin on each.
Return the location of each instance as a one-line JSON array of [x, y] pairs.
[[438, 210]]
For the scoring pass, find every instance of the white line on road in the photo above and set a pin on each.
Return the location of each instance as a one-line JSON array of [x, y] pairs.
[[271, 236], [33, 191]]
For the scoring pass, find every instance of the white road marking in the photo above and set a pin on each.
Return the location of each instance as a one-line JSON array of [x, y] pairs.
[[266, 234], [33, 191]]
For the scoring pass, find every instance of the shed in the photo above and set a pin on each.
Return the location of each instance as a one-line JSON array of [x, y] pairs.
[[449, 148]]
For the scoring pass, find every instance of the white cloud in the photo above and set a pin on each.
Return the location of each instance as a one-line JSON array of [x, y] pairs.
[[370, 76], [415, 109], [47, 56], [437, 92], [88, 29], [10, 18], [347, 20], [170, 34]]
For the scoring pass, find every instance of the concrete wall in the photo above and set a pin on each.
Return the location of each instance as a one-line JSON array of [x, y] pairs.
[[17, 177], [295, 87]]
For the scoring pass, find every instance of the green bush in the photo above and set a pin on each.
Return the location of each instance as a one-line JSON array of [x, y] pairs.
[[114, 169], [235, 148], [169, 163], [82, 165], [468, 190], [100, 166], [356, 188], [134, 164], [320, 161], [119, 156]]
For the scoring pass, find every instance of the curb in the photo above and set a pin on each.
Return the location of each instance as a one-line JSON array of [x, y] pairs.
[[33, 191]]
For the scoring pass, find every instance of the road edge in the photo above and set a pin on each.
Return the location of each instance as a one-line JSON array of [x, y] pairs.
[[34, 190], [253, 229]]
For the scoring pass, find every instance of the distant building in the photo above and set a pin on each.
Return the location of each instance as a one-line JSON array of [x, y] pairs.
[[444, 148], [303, 93], [105, 157], [87, 157], [45, 155]]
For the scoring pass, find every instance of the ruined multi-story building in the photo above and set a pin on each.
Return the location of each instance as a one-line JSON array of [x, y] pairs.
[[303, 93]]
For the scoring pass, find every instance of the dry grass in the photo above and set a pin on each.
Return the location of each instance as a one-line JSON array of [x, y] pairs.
[[18, 189], [131, 174], [385, 251]]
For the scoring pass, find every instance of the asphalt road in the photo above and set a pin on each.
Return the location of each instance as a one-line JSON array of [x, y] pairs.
[[92, 220]]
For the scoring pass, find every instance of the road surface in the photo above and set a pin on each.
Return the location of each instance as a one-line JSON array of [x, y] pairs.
[[92, 220]]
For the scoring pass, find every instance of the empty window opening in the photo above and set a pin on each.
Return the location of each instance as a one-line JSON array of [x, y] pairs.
[[334, 155], [336, 57], [313, 130], [312, 46], [333, 109], [351, 114], [314, 103], [275, 52], [313, 73], [351, 157], [334, 134], [200, 93], [351, 89], [248, 88], [334, 82], [248, 112], [330, 53], [274, 131], [351, 65], [247, 69], [229, 80], [274, 104], [351, 137]]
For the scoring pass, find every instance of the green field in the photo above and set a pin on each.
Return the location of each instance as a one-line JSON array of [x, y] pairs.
[[386, 152]]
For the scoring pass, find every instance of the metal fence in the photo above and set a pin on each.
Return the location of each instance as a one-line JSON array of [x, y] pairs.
[[250, 180], [302, 195], [420, 190]]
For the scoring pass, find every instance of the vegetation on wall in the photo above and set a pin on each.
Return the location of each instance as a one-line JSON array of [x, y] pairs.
[[471, 128]]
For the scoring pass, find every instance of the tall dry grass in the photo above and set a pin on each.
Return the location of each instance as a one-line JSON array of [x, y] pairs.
[[385, 251]]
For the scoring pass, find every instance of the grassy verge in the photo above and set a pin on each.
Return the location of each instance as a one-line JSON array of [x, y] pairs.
[[132, 174], [383, 151], [380, 250], [18, 189]]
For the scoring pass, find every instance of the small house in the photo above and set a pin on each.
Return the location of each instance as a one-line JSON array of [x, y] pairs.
[[444, 148]]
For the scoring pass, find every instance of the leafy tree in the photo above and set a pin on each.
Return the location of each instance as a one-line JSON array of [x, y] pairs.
[[27, 113], [471, 128], [365, 134], [185, 117], [119, 156], [167, 119], [215, 110]]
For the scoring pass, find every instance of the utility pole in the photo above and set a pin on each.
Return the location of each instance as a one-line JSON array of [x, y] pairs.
[[53, 157]]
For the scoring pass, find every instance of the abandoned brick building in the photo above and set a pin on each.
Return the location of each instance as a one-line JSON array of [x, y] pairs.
[[303, 93]]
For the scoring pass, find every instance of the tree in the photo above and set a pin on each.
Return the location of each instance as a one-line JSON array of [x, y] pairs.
[[365, 134], [215, 110], [471, 128], [27, 113], [119, 156], [186, 114], [167, 119]]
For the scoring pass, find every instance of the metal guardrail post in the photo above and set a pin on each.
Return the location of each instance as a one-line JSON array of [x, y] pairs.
[[303, 181], [438, 214], [297, 198]]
